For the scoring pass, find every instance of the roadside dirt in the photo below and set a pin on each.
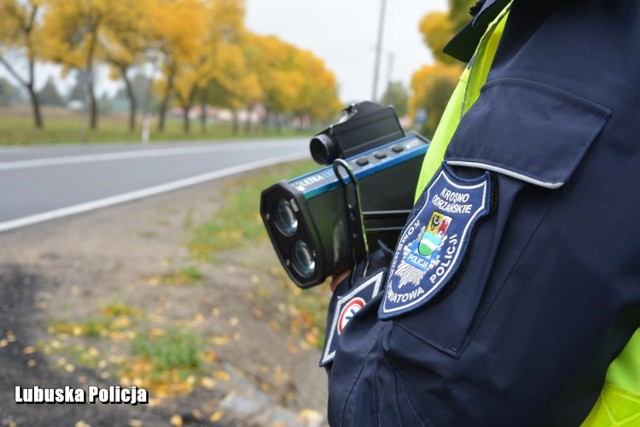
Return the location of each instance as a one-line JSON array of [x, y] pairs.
[[58, 277]]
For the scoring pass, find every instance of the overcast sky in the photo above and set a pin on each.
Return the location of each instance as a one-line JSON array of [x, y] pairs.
[[344, 33]]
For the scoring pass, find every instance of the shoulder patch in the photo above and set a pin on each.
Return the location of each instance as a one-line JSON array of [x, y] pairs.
[[434, 241], [346, 308]]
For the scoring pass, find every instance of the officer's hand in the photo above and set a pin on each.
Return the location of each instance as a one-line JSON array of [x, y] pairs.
[[338, 278]]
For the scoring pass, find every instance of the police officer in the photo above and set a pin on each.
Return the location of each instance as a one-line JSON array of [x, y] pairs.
[[513, 294]]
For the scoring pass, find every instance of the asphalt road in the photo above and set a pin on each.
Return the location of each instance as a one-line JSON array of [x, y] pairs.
[[43, 183]]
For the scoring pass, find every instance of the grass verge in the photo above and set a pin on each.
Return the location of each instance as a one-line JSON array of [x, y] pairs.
[[69, 127], [238, 222]]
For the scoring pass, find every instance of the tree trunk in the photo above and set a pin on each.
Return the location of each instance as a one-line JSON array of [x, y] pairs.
[[265, 121], [93, 113], [132, 99], [93, 116], [35, 106], [187, 104], [186, 124], [29, 85], [203, 115], [165, 101], [247, 122], [235, 122], [162, 112], [203, 111]]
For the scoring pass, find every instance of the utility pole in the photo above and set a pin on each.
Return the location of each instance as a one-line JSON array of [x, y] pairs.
[[376, 68], [391, 58]]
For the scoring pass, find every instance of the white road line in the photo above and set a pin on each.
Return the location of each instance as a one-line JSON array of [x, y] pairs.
[[160, 152], [139, 194]]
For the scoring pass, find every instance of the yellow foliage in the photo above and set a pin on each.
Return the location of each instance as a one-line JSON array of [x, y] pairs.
[[178, 29], [236, 84], [21, 27], [74, 28], [200, 46], [437, 30], [292, 80]]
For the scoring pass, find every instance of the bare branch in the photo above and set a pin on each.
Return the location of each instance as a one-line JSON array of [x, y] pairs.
[[13, 72]]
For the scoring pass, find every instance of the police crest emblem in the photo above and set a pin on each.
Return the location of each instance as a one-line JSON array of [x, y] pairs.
[[433, 243]]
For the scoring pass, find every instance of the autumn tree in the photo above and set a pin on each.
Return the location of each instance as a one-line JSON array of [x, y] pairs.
[[178, 31], [193, 72], [437, 27], [20, 28], [231, 82], [432, 85], [77, 29], [234, 85], [318, 94], [281, 82], [124, 42], [437, 30], [224, 25], [293, 81]]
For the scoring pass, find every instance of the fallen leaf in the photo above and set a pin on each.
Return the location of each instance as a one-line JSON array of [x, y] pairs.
[[293, 349], [216, 416], [208, 383], [222, 375], [274, 325], [219, 340]]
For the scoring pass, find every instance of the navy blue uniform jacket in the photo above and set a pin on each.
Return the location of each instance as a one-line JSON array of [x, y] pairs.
[[546, 292]]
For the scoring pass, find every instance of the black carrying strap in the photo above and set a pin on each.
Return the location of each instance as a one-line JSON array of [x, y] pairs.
[[355, 222]]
